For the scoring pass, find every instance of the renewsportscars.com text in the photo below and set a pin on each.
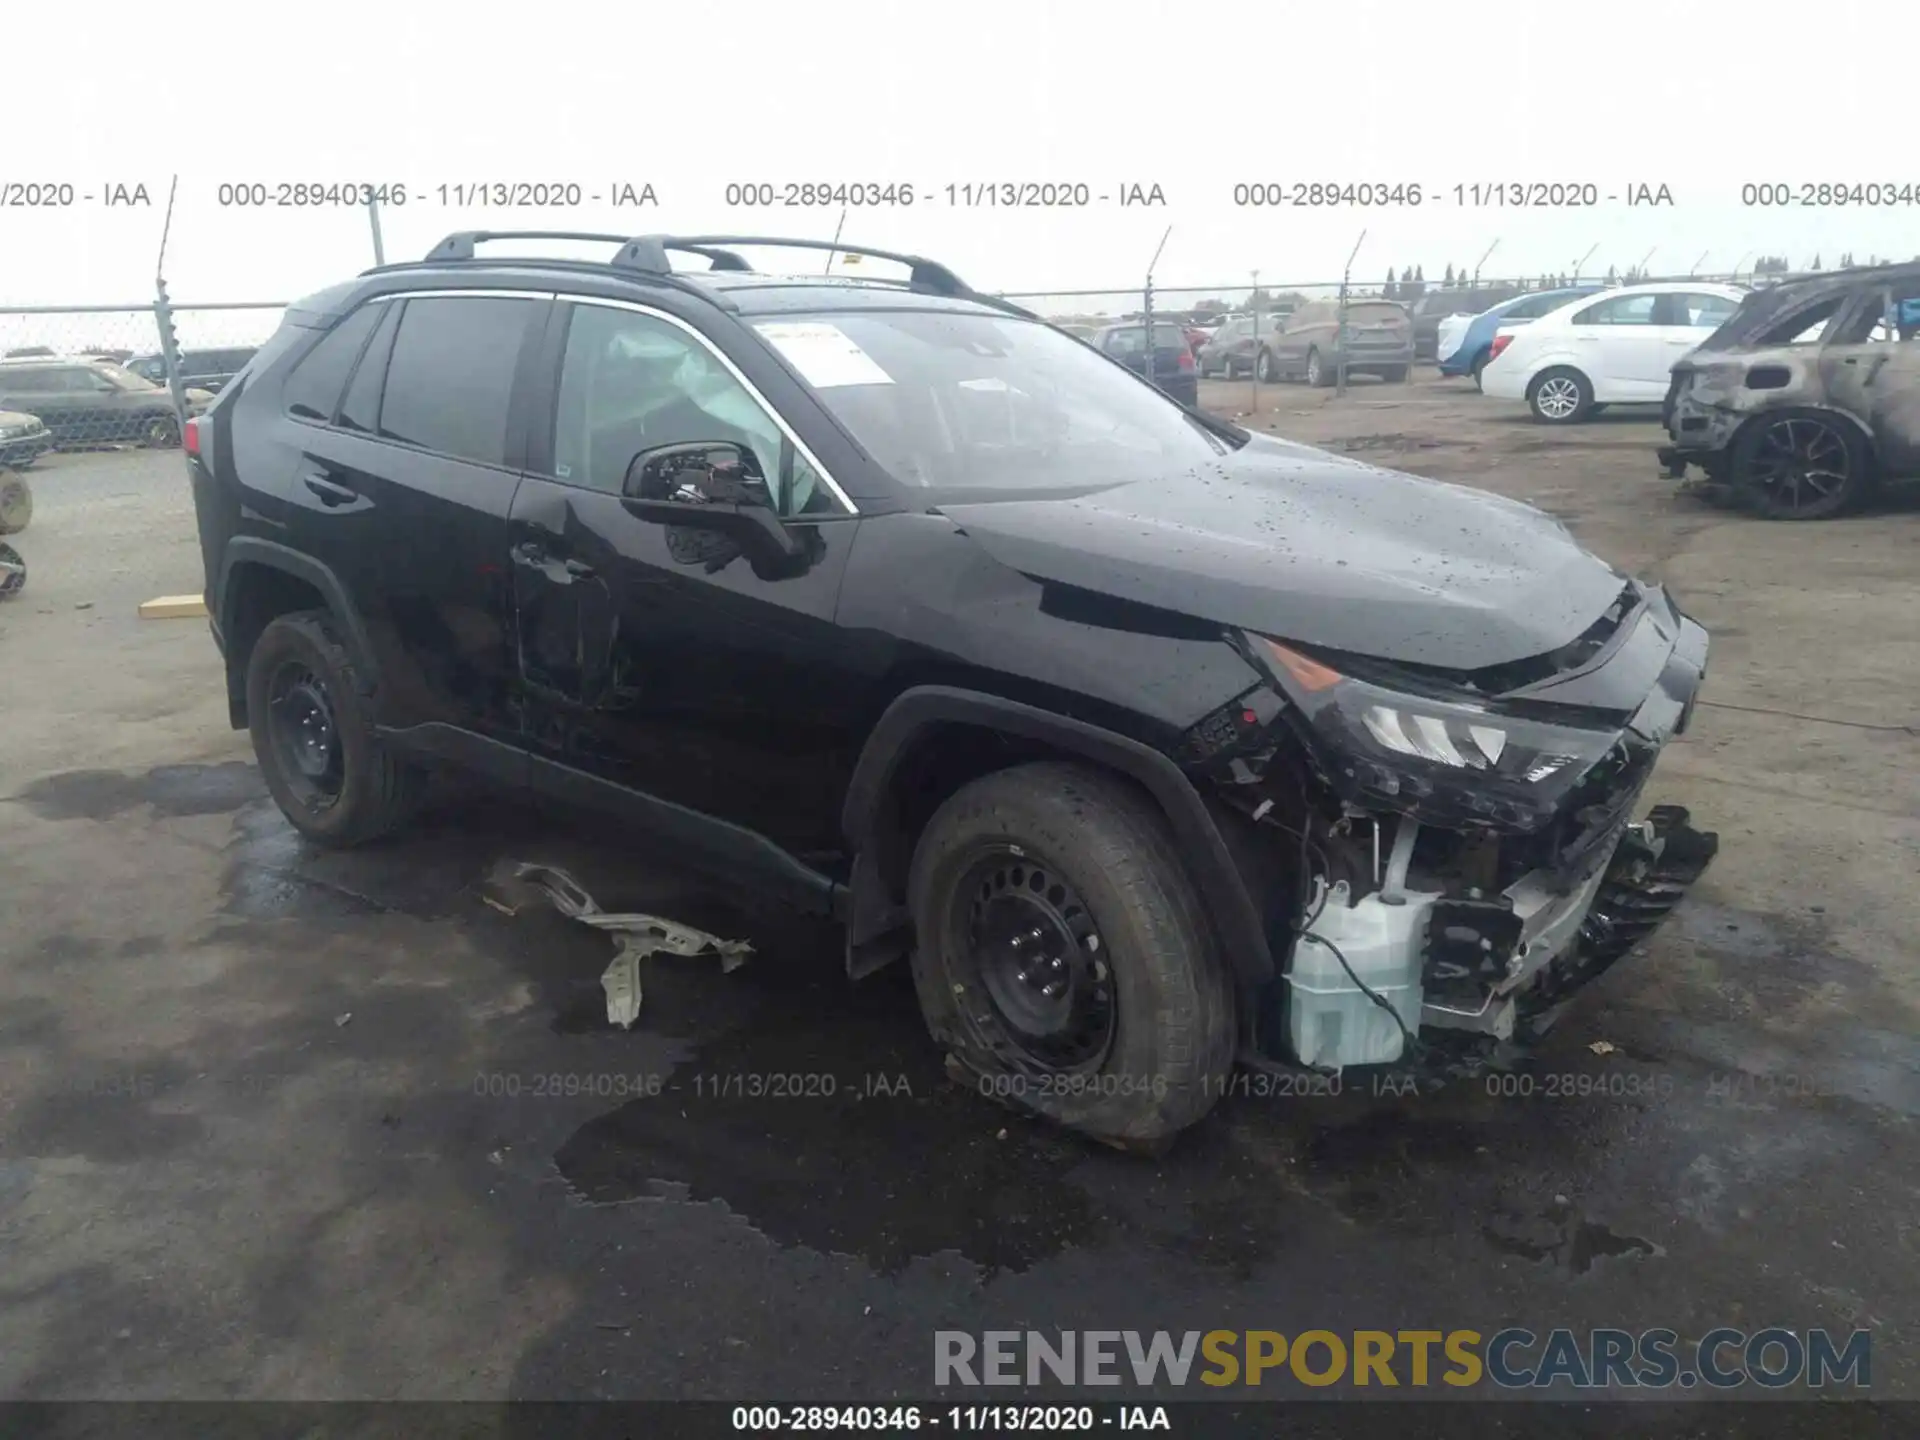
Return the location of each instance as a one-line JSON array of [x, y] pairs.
[[1513, 1358]]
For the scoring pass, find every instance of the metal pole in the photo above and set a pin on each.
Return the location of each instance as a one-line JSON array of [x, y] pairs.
[[1583, 260], [1694, 269], [1340, 332], [1147, 318], [837, 230], [1259, 333], [373, 222], [1483, 260], [163, 316]]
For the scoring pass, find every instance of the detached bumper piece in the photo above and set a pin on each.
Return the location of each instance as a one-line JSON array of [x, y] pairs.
[[1656, 863]]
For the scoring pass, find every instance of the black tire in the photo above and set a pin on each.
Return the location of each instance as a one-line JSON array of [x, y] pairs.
[[1479, 369], [16, 503], [160, 431], [1317, 374], [1059, 842], [1264, 369], [1560, 396], [364, 791], [1776, 459]]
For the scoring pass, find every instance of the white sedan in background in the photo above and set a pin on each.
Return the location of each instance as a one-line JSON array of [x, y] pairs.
[[1615, 348]]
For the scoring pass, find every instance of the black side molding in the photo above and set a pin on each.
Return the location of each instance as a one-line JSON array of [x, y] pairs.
[[866, 816]]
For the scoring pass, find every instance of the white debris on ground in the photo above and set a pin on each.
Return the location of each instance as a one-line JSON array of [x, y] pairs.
[[636, 936]]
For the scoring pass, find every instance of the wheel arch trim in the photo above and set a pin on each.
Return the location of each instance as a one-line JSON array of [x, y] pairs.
[[1210, 863], [245, 550]]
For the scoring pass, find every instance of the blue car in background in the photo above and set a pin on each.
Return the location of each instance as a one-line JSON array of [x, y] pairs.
[[1469, 353]]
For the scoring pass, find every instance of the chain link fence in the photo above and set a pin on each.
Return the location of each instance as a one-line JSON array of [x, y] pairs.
[[1320, 332], [97, 376]]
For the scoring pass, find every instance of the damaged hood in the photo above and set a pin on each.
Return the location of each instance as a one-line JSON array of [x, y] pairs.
[[1308, 546]]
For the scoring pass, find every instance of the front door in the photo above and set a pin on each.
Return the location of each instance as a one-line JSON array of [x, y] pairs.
[[657, 664], [1871, 369]]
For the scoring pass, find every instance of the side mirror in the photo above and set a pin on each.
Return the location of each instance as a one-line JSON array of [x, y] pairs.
[[715, 486]]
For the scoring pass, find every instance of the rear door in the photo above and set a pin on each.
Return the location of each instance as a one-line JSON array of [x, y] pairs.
[[657, 664], [37, 390], [1622, 348], [1687, 318], [404, 481], [1871, 369]]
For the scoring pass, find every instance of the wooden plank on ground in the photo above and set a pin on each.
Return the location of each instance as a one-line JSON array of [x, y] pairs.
[[174, 607]]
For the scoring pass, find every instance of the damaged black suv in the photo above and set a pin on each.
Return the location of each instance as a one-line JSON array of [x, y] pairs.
[[1158, 746]]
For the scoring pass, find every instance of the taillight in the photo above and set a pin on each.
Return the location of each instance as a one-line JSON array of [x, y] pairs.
[[1186, 360], [190, 437], [1500, 342]]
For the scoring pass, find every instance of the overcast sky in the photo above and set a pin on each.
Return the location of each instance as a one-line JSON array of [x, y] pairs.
[[1193, 98]]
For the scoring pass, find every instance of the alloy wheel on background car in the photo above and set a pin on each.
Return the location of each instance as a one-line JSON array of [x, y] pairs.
[[1799, 467], [1558, 398]]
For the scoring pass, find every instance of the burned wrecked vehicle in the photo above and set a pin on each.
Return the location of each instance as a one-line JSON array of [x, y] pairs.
[[1150, 745], [1808, 399]]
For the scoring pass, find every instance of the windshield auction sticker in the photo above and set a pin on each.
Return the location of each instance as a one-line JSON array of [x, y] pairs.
[[825, 355]]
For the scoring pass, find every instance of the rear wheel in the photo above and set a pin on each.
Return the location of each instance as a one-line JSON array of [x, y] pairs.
[[1560, 396], [160, 432], [1800, 465], [1264, 369], [313, 737], [1317, 374], [1063, 957]]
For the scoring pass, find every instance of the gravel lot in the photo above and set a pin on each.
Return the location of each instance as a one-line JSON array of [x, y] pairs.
[[280, 1124]]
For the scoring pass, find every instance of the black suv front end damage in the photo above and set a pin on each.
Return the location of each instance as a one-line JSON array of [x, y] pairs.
[[1446, 858]]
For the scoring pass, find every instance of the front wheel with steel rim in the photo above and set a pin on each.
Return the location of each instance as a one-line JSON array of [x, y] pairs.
[[313, 737], [1062, 955], [1800, 465], [1316, 370], [1560, 396]]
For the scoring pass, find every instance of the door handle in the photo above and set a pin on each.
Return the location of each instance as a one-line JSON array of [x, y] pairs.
[[535, 556], [331, 492]]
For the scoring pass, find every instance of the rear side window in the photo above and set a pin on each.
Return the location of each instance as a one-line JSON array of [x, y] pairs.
[[23, 381], [360, 409], [313, 389], [451, 375], [1620, 310], [1533, 309]]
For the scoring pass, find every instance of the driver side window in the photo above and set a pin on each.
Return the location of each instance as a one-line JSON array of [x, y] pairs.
[[630, 382]]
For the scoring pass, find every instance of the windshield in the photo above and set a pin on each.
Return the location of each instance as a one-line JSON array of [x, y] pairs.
[[969, 401]]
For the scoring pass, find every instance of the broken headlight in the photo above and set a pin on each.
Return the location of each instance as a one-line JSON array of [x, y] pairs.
[[1453, 763]]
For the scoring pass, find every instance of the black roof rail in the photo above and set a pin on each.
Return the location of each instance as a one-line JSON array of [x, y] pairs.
[[648, 255], [923, 274], [460, 245]]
